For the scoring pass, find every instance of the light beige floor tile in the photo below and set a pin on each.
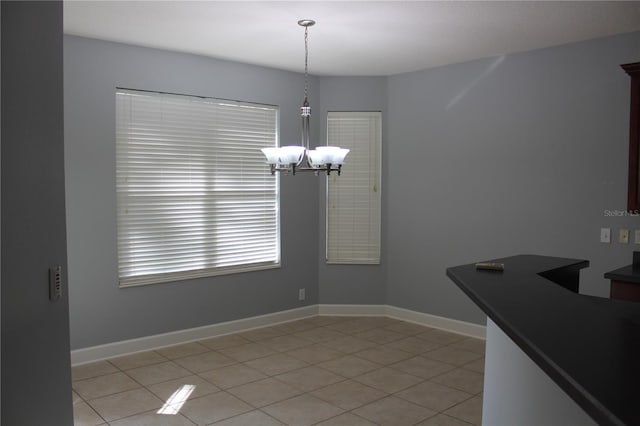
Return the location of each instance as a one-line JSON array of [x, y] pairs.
[[346, 419], [227, 341], [94, 369], [300, 356], [185, 349], [309, 378], [320, 334], [470, 344], [349, 344], [443, 420], [407, 328], [247, 352], [423, 367], [288, 328], [204, 362], [252, 418], [462, 379], [152, 418], [104, 385], [470, 411], [259, 334], [452, 355], [314, 354], [351, 326], [392, 411], [264, 392], [439, 336], [295, 326], [414, 345], [433, 395], [212, 408], [84, 415], [477, 365], [349, 394], [302, 410], [140, 359], [75, 398], [349, 366], [380, 335], [388, 380], [158, 373], [324, 320], [376, 322], [285, 343], [276, 364], [383, 355], [196, 385], [232, 375], [125, 404]]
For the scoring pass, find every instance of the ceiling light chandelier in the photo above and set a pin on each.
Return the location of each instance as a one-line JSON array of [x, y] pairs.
[[294, 158]]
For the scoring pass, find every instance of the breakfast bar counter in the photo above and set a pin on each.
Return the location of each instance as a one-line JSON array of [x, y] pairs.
[[588, 347]]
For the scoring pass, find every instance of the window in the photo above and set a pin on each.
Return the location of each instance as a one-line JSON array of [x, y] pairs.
[[194, 197], [353, 199]]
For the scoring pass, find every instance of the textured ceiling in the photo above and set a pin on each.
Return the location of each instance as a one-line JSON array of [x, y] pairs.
[[351, 37]]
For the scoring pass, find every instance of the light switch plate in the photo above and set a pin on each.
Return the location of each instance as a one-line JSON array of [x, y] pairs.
[[55, 282], [605, 235], [623, 236], [636, 238]]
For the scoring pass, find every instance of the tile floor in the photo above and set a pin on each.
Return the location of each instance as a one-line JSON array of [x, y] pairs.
[[324, 370]]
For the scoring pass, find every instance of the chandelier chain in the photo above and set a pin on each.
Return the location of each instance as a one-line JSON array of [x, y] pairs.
[[306, 60]]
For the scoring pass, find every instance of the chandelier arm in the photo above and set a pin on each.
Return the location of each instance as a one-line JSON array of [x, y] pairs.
[[305, 130], [293, 169]]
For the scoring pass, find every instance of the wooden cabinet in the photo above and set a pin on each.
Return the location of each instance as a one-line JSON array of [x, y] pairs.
[[633, 197], [625, 281]]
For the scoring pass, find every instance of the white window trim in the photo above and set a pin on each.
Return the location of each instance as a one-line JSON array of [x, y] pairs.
[[338, 240], [187, 160]]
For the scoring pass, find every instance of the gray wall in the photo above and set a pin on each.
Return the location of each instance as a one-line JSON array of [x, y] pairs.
[[350, 284], [36, 378], [516, 154], [100, 311]]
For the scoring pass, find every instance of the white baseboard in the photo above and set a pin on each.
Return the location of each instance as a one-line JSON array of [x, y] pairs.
[[434, 321], [126, 347], [352, 310]]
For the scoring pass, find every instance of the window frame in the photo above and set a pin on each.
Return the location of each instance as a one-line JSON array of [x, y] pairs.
[[375, 185], [271, 195]]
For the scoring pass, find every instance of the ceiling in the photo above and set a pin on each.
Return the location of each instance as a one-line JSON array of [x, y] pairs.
[[364, 38]]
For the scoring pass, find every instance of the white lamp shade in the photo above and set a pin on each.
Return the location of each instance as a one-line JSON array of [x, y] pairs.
[[339, 156], [315, 158], [332, 154], [272, 154], [291, 154]]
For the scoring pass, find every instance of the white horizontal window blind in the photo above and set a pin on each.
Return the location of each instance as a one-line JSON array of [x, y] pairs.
[[354, 198], [194, 196]]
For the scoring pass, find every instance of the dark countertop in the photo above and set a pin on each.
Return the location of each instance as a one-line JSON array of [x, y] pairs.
[[589, 346], [630, 274]]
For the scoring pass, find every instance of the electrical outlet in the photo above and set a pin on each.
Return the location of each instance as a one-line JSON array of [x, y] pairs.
[[623, 236], [301, 295], [605, 235]]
